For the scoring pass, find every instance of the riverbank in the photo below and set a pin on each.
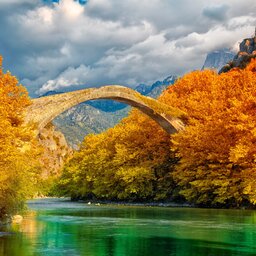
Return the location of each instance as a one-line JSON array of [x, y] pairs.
[[121, 203], [124, 203], [160, 204], [98, 202]]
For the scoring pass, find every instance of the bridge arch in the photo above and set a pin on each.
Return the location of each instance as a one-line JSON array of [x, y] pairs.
[[43, 110]]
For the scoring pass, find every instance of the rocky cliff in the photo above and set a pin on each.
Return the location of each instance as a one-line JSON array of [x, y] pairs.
[[55, 151], [247, 51]]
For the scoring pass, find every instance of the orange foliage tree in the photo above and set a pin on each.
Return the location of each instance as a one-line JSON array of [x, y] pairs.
[[17, 146], [217, 150]]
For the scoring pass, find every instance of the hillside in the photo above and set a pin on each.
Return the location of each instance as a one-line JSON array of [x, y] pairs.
[[84, 119]]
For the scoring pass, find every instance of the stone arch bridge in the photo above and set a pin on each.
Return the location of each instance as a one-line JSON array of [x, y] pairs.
[[43, 110]]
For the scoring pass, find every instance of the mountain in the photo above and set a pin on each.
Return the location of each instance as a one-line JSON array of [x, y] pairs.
[[217, 59], [96, 116], [144, 89], [158, 87], [106, 105], [247, 51], [83, 119]]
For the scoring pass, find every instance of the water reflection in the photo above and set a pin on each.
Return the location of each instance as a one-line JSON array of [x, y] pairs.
[[54, 227]]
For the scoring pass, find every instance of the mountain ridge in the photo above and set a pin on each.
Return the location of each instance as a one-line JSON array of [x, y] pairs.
[[217, 59]]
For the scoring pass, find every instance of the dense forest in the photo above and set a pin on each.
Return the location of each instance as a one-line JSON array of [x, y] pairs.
[[211, 163]]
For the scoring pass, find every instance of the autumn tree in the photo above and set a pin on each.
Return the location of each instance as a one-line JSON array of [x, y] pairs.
[[122, 163], [217, 149], [18, 170]]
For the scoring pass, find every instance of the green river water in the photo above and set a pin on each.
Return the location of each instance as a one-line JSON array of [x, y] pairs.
[[59, 227]]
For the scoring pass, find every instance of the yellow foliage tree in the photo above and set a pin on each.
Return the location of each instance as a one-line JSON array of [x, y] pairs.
[[18, 170], [121, 163]]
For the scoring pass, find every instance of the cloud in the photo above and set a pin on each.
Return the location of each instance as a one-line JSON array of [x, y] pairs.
[[216, 12], [68, 45], [156, 56], [70, 77]]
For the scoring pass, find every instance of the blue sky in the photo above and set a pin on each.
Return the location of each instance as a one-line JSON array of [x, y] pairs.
[[70, 45]]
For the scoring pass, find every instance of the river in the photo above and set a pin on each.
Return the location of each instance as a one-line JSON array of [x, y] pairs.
[[59, 227]]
